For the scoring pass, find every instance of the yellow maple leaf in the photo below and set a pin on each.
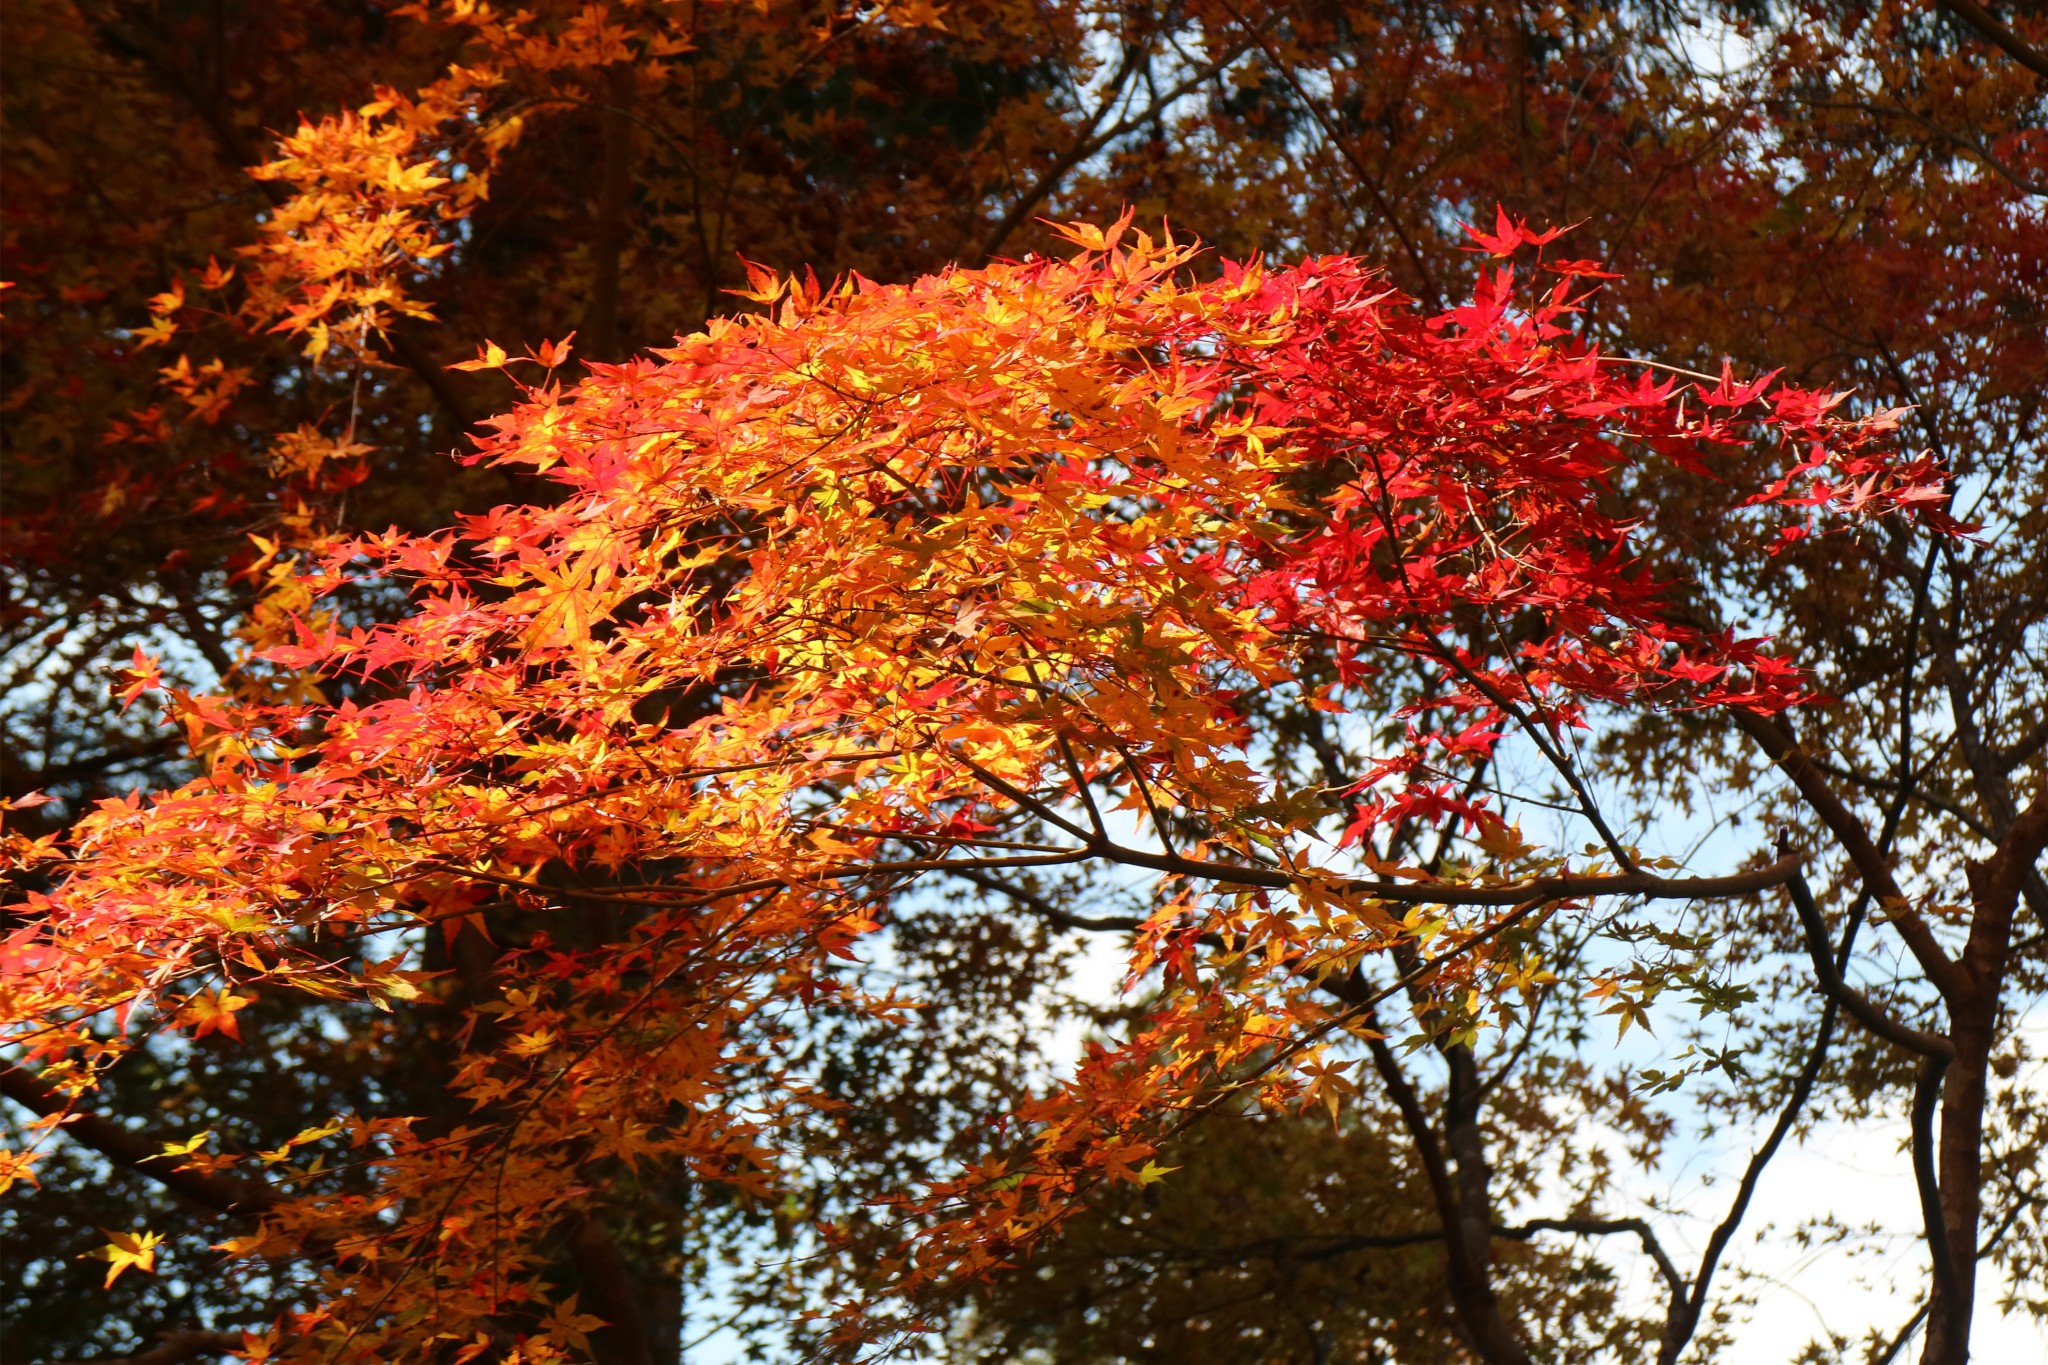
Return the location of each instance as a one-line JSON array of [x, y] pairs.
[[124, 1249], [16, 1166], [185, 1148], [492, 357]]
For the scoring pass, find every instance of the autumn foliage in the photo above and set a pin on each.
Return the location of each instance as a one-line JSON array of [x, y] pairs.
[[542, 845], [891, 583]]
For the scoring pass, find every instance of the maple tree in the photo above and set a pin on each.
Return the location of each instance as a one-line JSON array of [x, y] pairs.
[[1855, 205], [913, 582], [212, 335]]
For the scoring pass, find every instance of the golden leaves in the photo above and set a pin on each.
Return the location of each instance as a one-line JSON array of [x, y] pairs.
[[127, 1249], [964, 577]]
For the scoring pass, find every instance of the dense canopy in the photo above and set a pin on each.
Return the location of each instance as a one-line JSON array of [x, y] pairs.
[[632, 883]]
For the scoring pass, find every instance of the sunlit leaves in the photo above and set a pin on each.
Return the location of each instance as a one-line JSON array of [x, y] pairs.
[[129, 1250], [893, 584]]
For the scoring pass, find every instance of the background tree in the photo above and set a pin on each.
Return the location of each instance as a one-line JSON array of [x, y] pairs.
[[1859, 201]]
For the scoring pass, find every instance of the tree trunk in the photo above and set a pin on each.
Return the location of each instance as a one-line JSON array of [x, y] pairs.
[[1460, 1186], [610, 1292], [600, 331], [1960, 1162], [1469, 1227], [1995, 886]]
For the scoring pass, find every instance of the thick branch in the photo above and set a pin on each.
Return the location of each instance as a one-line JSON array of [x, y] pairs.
[[215, 1193], [1998, 35], [1926, 1099], [1993, 791], [1421, 1132], [1561, 887], [1564, 886], [1996, 885], [178, 1344], [1454, 1193]]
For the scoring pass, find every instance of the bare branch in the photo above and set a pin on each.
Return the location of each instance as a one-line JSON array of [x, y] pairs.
[[1871, 865], [1366, 178], [1600, 1227]]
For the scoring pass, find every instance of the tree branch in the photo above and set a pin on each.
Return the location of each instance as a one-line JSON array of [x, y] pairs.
[[1871, 865], [1861, 1007], [1997, 34], [214, 1193], [1093, 142], [1926, 1099], [178, 1344], [1600, 1227], [1564, 886], [2023, 748], [1904, 1334], [1344, 149], [1935, 1053], [1684, 1318], [1046, 910]]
